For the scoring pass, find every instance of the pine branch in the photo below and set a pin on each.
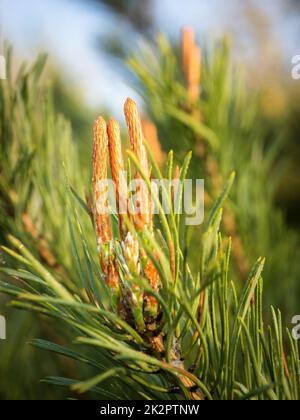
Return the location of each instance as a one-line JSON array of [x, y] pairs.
[[167, 328]]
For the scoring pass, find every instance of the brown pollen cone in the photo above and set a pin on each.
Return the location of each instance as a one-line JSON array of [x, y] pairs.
[[99, 163], [134, 124], [117, 170]]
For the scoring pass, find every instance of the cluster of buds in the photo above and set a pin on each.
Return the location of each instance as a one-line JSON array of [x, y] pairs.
[[191, 61], [129, 298]]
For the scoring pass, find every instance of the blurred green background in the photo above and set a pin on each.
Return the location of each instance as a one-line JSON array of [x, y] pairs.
[[86, 42]]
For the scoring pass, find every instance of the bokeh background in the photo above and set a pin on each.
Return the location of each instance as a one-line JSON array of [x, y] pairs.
[[87, 41]]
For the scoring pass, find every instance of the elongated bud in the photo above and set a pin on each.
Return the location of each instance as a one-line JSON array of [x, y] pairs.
[[194, 74], [100, 195], [100, 187], [191, 61], [117, 170], [187, 43], [134, 124], [136, 135], [101, 209]]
